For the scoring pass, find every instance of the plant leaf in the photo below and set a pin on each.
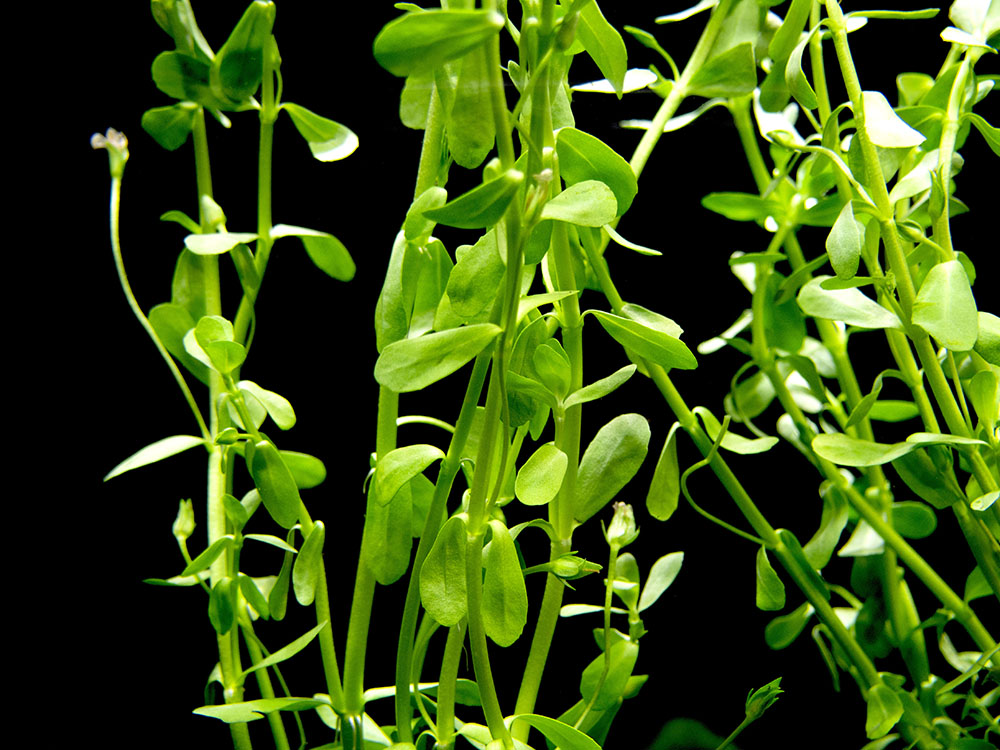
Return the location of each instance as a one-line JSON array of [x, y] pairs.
[[990, 133], [665, 489], [388, 535], [731, 74], [988, 343], [276, 484], [170, 126], [442, 576], [742, 206], [731, 441], [278, 407], [237, 713], [661, 575], [216, 243], [398, 467], [422, 41], [327, 253], [559, 734], [470, 125], [770, 589], [211, 554], [843, 244], [476, 277], [238, 66], [604, 45], [650, 343], [505, 598], [884, 126], [286, 652], [413, 364], [154, 452], [612, 458], [623, 655], [539, 479], [884, 710], [590, 203], [945, 307], [848, 305], [600, 388], [481, 207], [307, 573], [783, 630], [583, 157], [850, 451]]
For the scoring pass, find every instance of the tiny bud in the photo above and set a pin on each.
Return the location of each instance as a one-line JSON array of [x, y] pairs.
[[572, 567], [762, 698], [184, 523], [622, 531], [227, 436]]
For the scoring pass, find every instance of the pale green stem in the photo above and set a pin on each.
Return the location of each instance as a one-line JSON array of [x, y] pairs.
[[450, 662]]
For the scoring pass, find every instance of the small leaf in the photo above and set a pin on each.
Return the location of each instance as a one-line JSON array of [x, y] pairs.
[[442, 576], [770, 589], [210, 555], [505, 598], [476, 277], [170, 126], [884, 710], [661, 575], [583, 157], [470, 126], [154, 452], [687, 13], [796, 80], [420, 42], [413, 364], [945, 307], [388, 535], [611, 459], [307, 471], [216, 243], [604, 45], [731, 74], [590, 203], [326, 251], [731, 441], [913, 520], [988, 343], [787, 35], [254, 597], [239, 65], [278, 407], [238, 713], [275, 483], [742, 206], [819, 549], [843, 244], [848, 305], [990, 133], [221, 611], [328, 140], [286, 652], [619, 240], [539, 479], [307, 573], [398, 467], [481, 207], [849, 451], [559, 734], [623, 655], [665, 489], [635, 79], [782, 631], [884, 126], [647, 342], [600, 388]]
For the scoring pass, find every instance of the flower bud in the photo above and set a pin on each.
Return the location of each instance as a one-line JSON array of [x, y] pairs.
[[622, 530], [761, 699], [117, 146], [572, 567], [184, 523]]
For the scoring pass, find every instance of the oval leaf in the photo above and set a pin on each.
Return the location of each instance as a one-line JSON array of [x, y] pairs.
[[216, 243], [945, 307], [481, 207], [884, 126], [442, 576], [661, 575], [770, 589], [505, 599], [327, 253], [412, 364], [665, 489], [154, 452], [421, 41], [590, 203], [610, 461], [328, 140], [583, 157], [276, 485], [398, 467], [308, 569], [649, 343], [848, 305], [539, 480]]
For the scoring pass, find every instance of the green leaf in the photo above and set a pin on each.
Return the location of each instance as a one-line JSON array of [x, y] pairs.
[[388, 535], [742, 206], [848, 305], [505, 599], [470, 124], [687, 13], [171, 323], [884, 710], [843, 244], [850, 451], [239, 64], [913, 520], [398, 467], [623, 654], [216, 243], [326, 251], [562, 735], [604, 45], [415, 100], [819, 549], [661, 575], [170, 126], [210, 555], [988, 343], [286, 652], [272, 540], [984, 392], [976, 585], [276, 484], [211, 342], [307, 471], [307, 573], [442, 576], [787, 35], [221, 606], [619, 240], [864, 406], [237, 713], [181, 76], [481, 207], [420, 42], [278, 407], [254, 597], [665, 489], [731, 74], [476, 277], [884, 126], [328, 140], [731, 441], [782, 631], [652, 344], [896, 14], [539, 479], [552, 366], [795, 79], [590, 203], [919, 472], [583, 157], [154, 452], [600, 388], [990, 133], [770, 589], [413, 364], [945, 307], [610, 461], [277, 598]]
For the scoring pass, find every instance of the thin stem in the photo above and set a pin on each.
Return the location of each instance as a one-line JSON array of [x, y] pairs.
[[266, 691], [747, 721], [450, 662]]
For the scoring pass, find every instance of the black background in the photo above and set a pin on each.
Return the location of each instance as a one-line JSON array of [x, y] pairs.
[[139, 655]]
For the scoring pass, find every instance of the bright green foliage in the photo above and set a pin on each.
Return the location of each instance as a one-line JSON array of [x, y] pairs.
[[421, 41], [505, 599], [413, 364], [442, 577], [307, 573], [945, 307], [610, 461], [770, 589]]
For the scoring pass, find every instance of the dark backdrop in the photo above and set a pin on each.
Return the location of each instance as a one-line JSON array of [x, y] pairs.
[[143, 653]]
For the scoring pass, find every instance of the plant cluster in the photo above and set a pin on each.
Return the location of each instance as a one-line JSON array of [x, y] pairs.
[[498, 324]]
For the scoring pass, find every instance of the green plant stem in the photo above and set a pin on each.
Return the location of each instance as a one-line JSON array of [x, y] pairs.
[[267, 691], [435, 517], [747, 721], [609, 588], [747, 131], [228, 643], [450, 662]]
